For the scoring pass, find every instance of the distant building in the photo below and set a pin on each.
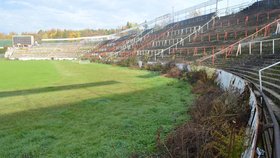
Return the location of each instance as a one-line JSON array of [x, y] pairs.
[[23, 41]]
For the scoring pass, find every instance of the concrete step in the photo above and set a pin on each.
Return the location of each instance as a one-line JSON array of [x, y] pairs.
[[274, 108], [265, 77], [273, 96], [270, 72], [266, 87], [267, 84]]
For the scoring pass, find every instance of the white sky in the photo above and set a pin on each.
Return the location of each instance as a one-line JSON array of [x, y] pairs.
[[33, 15]]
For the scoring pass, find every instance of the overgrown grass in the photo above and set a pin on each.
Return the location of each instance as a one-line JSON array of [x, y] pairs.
[[218, 123], [66, 109]]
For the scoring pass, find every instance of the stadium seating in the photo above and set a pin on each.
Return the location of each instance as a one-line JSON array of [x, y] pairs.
[[224, 32], [210, 40], [227, 30], [192, 39], [248, 67], [56, 51]]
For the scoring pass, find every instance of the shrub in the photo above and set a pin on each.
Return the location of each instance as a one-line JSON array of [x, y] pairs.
[[217, 127], [194, 77], [168, 66], [128, 62], [174, 73], [153, 67]]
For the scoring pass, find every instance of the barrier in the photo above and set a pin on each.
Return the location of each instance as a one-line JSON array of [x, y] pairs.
[[248, 38], [231, 82], [188, 37]]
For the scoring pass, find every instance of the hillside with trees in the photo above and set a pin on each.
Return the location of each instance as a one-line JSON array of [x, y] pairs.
[[64, 33]]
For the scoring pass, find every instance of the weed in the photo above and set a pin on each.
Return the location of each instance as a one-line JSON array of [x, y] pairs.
[[217, 127]]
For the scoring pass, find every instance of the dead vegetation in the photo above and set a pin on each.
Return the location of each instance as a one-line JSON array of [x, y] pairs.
[[217, 125]]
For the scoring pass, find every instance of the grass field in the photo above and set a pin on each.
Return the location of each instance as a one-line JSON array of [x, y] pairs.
[[67, 109]]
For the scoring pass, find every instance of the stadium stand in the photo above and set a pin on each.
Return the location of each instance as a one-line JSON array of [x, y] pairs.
[[49, 51], [245, 43], [242, 43], [224, 31]]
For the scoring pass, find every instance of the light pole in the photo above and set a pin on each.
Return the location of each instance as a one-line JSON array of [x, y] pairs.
[[227, 3], [217, 7], [173, 14]]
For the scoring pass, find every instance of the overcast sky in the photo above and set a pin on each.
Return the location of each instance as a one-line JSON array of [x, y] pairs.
[[33, 15]]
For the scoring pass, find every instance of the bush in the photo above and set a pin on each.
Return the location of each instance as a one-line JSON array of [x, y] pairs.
[[195, 76], [168, 66], [128, 62], [217, 127], [153, 67], [174, 73]]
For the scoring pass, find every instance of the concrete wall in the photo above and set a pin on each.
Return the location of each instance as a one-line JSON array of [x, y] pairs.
[[230, 82]]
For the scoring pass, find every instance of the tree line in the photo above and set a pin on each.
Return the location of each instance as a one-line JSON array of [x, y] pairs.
[[64, 33]]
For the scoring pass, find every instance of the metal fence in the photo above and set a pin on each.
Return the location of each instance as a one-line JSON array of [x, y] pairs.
[[248, 42]]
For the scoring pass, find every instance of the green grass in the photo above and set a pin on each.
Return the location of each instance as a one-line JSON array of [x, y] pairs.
[[66, 109]]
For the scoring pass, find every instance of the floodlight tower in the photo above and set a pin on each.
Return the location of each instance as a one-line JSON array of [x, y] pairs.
[[217, 1], [173, 15], [227, 3]]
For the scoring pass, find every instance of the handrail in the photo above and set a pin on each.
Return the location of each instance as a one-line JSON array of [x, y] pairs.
[[276, 129], [254, 41], [182, 39], [244, 43], [247, 4], [161, 34], [261, 70], [238, 42], [139, 39], [238, 7], [268, 40], [222, 11]]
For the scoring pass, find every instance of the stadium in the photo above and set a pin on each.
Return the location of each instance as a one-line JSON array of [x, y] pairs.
[[200, 82]]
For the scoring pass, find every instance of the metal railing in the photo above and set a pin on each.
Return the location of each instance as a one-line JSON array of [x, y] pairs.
[[276, 130], [184, 14], [260, 73], [264, 128], [247, 40], [235, 9], [220, 12], [272, 147], [136, 39], [160, 35], [223, 11], [187, 37]]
